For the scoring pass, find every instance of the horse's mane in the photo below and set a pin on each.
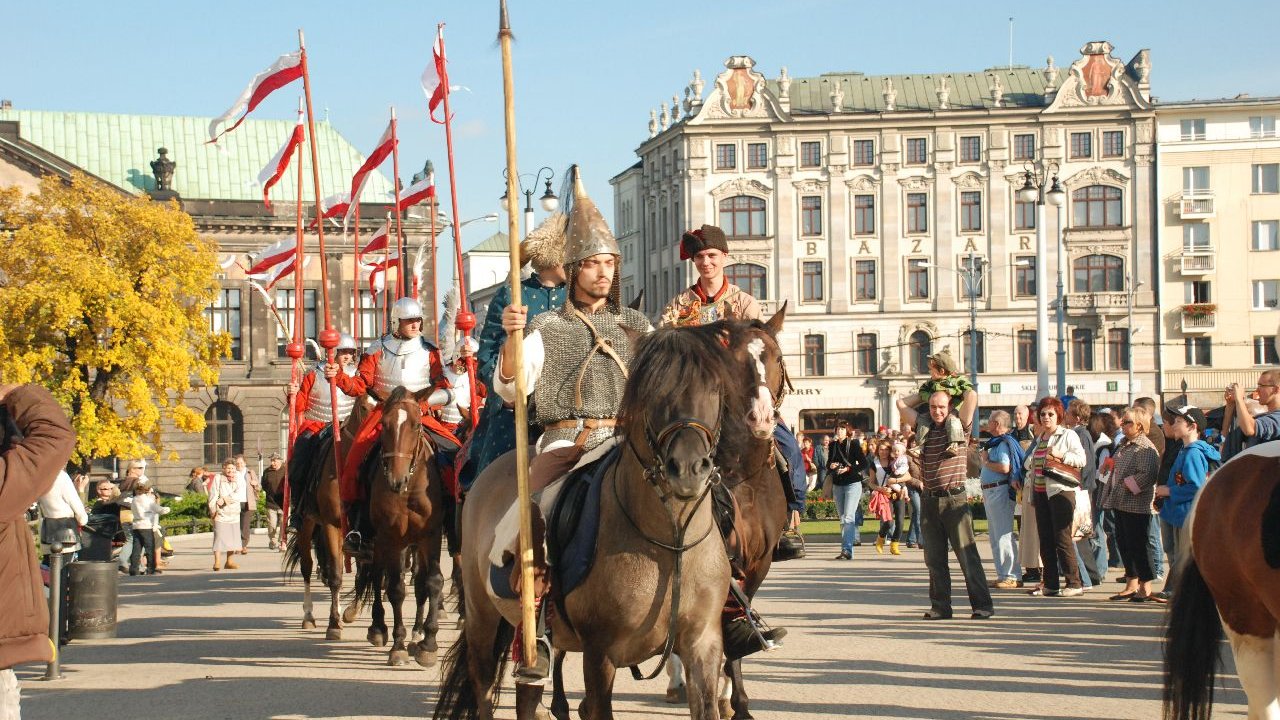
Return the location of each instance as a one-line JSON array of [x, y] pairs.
[[397, 395], [670, 363]]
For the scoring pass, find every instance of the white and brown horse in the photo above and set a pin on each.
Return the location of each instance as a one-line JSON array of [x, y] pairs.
[[1232, 571]]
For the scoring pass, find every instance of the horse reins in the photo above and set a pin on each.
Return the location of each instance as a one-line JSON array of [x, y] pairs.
[[419, 439]]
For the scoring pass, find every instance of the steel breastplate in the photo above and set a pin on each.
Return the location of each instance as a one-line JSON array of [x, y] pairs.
[[319, 403], [567, 342], [460, 385], [401, 362]]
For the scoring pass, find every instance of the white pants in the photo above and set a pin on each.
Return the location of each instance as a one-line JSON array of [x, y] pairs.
[[9, 696]]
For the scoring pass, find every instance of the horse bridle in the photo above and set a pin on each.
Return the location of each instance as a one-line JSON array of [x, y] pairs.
[[413, 454]]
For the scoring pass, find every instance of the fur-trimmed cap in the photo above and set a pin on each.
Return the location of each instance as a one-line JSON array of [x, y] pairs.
[[544, 246], [707, 236]]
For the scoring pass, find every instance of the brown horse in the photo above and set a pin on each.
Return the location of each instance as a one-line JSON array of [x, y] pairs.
[[679, 400], [406, 503], [1233, 572], [319, 506]]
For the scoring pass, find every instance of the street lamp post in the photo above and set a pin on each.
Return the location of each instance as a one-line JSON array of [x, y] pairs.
[[1062, 353], [549, 200], [973, 274], [1131, 288], [1033, 190]]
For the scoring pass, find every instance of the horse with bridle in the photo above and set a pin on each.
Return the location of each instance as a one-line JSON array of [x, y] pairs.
[[406, 504], [1232, 573], [658, 578]]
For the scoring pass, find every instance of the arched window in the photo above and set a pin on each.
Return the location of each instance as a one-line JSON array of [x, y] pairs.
[[752, 278], [223, 432], [1097, 206], [1097, 273], [742, 216], [920, 347]]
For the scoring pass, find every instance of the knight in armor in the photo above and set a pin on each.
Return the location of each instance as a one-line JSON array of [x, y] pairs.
[[402, 357], [313, 405]]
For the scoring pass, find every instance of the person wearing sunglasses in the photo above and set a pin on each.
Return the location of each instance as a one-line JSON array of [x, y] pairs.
[[1128, 495], [1251, 430], [1054, 464]]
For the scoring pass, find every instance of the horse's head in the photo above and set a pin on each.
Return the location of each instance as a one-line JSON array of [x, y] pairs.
[[755, 348], [676, 409], [402, 438]]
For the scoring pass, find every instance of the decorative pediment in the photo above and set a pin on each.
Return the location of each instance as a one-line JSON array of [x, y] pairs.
[[904, 333], [1095, 176], [740, 186], [1016, 179], [862, 183], [809, 185], [740, 92], [969, 181], [1098, 79], [915, 182]]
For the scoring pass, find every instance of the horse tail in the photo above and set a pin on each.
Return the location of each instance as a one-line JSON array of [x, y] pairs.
[[458, 699], [1192, 657], [292, 555], [324, 561], [367, 575]]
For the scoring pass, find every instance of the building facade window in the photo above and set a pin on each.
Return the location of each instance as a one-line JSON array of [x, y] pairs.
[[811, 215], [284, 304], [815, 355], [810, 154], [1266, 294], [864, 152], [1113, 143], [1195, 237], [917, 151], [1195, 180], [1266, 178], [1082, 349], [866, 349], [726, 157], [920, 347], [1199, 351], [224, 316], [1266, 235], [1026, 341], [1024, 215], [971, 211], [971, 149], [1118, 357], [742, 216], [917, 279], [1192, 129], [864, 280], [1024, 147], [1097, 273], [1197, 291], [751, 278], [370, 317], [973, 266], [969, 347], [1263, 126], [917, 212], [864, 214], [757, 156], [223, 433], [1081, 145], [1264, 350], [1024, 276], [812, 283], [1097, 206]]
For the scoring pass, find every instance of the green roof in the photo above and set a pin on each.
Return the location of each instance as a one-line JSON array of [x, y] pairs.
[[1023, 87], [120, 148], [495, 243]]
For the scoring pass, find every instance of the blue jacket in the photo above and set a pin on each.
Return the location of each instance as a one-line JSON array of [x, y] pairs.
[[1186, 477], [790, 448]]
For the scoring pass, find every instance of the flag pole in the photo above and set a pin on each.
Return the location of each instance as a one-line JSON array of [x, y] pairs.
[[527, 613], [329, 337], [356, 316], [296, 349], [386, 281], [432, 206], [402, 284]]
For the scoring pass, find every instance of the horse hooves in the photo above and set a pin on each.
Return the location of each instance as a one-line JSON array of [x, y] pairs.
[[425, 658], [398, 657], [678, 695], [744, 715], [726, 708], [308, 623], [333, 634], [350, 614], [377, 638]]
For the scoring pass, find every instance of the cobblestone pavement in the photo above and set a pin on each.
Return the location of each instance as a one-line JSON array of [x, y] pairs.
[[196, 644]]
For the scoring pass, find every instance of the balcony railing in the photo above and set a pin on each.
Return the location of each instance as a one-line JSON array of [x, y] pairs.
[[1197, 262], [1199, 318], [1195, 205]]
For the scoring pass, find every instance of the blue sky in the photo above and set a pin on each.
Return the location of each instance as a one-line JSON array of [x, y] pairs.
[[587, 72]]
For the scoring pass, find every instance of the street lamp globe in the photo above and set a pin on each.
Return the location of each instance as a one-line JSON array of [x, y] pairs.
[[1056, 196], [1028, 192], [549, 200], [505, 202]]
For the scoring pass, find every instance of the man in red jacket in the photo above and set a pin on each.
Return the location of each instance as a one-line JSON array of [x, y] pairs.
[[28, 467]]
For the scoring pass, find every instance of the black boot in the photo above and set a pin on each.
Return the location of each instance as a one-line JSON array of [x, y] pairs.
[[536, 672], [355, 544], [741, 639]]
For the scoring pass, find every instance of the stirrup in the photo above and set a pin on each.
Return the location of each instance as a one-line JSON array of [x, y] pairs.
[[353, 543], [536, 673]]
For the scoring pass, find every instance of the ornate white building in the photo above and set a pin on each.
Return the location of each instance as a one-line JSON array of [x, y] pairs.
[[859, 200]]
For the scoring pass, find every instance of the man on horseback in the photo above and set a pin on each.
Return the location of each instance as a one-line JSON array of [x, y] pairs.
[[314, 409], [400, 358]]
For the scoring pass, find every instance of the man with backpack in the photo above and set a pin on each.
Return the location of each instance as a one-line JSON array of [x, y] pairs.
[[1002, 474], [1191, 469]]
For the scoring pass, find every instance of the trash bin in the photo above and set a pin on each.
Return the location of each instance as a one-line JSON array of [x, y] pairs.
[[93, 587]]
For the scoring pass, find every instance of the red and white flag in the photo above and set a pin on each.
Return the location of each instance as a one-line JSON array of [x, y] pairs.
[[275, 274], [377, 272], [379, 239], [419, 191], [271, 174], [331, 207], [435, 79], [284, 70], [376, 158], [271, 256]]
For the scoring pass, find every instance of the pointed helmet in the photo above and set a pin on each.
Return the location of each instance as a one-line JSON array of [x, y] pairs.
[[587, 233]]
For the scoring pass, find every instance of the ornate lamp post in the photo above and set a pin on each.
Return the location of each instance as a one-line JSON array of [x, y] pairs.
[[1033, 190], [549, 200]]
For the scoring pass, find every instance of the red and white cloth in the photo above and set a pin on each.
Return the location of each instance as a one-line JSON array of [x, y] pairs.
[[435, 79], [274, 170], [379, 155], [284, 70], [419, 191]]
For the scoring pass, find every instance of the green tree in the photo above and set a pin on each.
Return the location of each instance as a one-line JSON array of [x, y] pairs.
[[102, 296]]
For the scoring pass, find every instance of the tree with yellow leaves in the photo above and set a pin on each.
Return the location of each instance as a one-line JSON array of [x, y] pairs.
[[102, 298]]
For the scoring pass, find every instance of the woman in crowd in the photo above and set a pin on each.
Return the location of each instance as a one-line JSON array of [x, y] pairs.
[[888, 479], [1127, 496], [224, 508], [810, 466], [146, 518], [196, 482], [62, 513], [1053, 468], [845, 465]]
